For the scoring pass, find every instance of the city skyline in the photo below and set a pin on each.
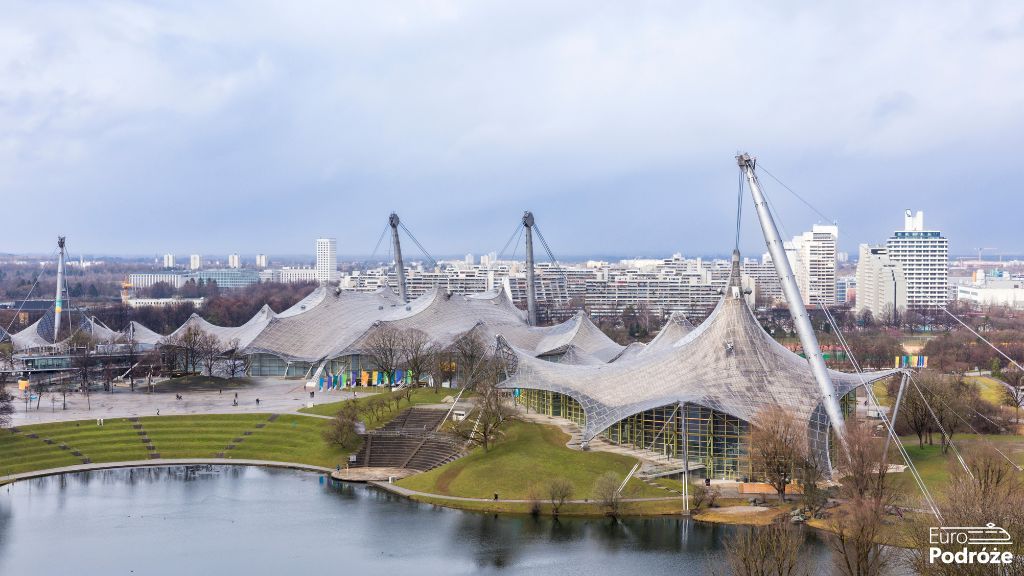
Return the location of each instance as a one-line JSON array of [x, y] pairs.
[[361, 112]]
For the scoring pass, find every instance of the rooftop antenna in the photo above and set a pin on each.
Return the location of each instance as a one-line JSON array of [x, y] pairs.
[[796, 304], [394, 222], [59, 300], [531, 288]]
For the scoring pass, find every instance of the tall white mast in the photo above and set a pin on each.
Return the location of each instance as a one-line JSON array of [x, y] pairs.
[[59, 300], [796, 304], [399, 265], [531, 289]]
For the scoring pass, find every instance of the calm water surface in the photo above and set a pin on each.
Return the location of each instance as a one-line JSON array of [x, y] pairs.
[[255, 521]]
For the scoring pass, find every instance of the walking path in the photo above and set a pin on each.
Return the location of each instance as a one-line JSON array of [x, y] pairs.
[[275, 395], [407, 493], [161, 462]]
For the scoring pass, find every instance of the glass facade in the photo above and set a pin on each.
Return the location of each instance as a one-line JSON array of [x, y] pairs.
[[715, 439]]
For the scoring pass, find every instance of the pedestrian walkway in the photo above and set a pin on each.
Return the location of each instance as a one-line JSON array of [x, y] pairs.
[[395, 489], [161, 462]]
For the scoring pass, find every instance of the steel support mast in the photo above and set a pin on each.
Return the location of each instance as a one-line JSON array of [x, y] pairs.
[[796, 304], [399, 265], [531, 287], [58, 302]]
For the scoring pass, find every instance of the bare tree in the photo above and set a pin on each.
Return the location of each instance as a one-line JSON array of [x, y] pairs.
[[606, 492], [80, 346], [6, 361], [416, 353], [471, 359], [991, 493], [384, 347], [856, 542], [559, 490], [6, 406], [186, 346], [131, 354], [778, 443], [773, 550], [441, 366], [209, 350], [237, 363], [341, 431], [490, 415]]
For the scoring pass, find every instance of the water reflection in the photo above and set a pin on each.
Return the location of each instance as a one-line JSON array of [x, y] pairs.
[[210, 519]]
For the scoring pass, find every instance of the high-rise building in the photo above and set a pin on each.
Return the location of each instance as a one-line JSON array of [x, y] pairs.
[[846, 290], [168, 260], [195, 262], [469, 260], [326, 260], [261, 261], [924, 257], [812, 256], [234, 261], [881, 285]]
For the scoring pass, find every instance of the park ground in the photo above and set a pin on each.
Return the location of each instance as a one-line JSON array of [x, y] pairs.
[[517, 467]]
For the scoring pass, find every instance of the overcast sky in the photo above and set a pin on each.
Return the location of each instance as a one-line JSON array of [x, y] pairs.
[[143, 128]]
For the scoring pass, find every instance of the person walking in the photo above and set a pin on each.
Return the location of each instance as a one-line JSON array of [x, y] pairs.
[[257, 401]]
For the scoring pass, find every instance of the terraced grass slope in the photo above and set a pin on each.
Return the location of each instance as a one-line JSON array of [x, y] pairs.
[[288, 438], [529, 454]]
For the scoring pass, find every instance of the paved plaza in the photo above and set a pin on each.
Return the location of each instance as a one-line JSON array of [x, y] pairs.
[[275, 395]]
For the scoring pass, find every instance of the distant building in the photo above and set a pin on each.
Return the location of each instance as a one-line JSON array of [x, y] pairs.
[[290, 275], [195, 262], [881, 284], [992, 291], [846, 290], [924, 258], [168, 260], [261, 261], [326, 260], [162, 302], [148, 279], [226, 279], [812, 256], [231, 278], [234, 261]]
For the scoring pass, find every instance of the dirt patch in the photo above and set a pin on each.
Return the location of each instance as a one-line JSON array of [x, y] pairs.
[[445, 479], [752, 515]]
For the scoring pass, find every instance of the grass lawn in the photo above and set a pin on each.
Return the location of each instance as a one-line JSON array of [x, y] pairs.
[[936, 468], [881, 393], [528, 455], [419, 396], [991, 390], [289, 438]]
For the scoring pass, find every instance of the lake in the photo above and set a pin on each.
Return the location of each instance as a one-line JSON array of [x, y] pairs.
[[254, 521]]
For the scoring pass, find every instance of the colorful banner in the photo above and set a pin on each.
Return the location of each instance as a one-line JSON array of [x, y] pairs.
[[911, 361], [366, 378]]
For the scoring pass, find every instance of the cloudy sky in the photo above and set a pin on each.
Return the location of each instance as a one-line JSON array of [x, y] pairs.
[[142, 128]]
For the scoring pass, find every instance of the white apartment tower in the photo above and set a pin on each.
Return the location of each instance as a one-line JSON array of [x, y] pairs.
[[234, 261], [813, 258], [261, 261], [326, 259], [168, 260], [881, 285], [924, 257], [195, 262]]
